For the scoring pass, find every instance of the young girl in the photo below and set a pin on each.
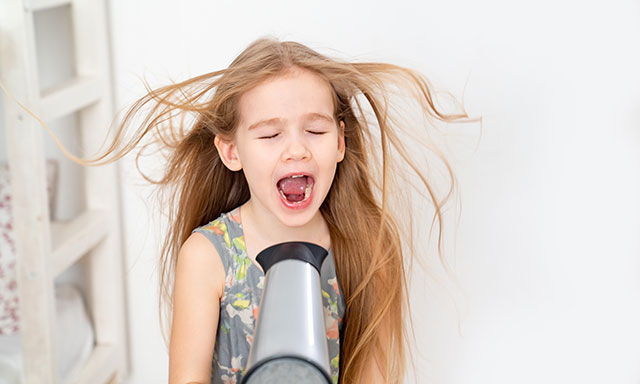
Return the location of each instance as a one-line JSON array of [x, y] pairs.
[[279, 149]]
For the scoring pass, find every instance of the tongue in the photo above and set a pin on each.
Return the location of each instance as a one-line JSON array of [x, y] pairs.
[[293, 186]]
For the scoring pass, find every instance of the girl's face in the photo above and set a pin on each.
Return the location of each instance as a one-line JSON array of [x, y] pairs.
[[287, 129]]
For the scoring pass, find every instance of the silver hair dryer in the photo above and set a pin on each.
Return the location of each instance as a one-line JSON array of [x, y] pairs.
[[289, 341]]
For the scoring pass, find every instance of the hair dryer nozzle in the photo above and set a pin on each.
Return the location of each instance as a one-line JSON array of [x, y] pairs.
[[296, 250]]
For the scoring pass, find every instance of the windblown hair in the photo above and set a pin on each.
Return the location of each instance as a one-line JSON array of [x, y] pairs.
[[372, 248]]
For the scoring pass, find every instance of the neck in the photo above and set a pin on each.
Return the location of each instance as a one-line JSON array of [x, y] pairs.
[[267, 230]]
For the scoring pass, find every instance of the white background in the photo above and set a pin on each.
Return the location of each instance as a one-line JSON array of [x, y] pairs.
[[548, 245]]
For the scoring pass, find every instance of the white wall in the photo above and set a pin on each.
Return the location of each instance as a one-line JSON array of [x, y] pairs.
[[548, 252]]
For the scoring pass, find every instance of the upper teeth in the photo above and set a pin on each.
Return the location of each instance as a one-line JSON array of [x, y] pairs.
[[296, 176]]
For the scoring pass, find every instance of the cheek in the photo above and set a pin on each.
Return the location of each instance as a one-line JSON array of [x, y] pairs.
[[257, 163], [252, 153], [330, 152], [329, 167]]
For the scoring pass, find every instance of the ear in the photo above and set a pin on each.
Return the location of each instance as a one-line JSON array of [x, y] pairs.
[[341, 146], [228, 153]]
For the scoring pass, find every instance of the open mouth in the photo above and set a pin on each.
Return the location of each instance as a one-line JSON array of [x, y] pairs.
[[296, 189]]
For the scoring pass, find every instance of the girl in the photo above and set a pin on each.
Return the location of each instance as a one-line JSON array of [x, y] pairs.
[[279, 149]]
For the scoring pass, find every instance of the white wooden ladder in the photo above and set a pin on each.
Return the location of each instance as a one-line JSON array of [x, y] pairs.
[[46, 249]]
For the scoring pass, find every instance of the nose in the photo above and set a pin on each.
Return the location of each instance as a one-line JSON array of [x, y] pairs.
[[295, 149]]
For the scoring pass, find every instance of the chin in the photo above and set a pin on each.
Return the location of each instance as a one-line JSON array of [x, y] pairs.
[[298, 219]]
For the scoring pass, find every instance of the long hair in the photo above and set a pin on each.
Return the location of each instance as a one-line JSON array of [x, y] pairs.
[[371, 242]]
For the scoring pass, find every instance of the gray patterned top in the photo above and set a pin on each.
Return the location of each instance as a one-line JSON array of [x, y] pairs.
[[240, 301]]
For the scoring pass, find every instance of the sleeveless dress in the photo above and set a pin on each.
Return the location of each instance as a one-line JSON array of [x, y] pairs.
[[240, 301]]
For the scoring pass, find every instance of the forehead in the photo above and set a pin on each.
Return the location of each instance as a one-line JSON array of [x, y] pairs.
[[289, 97]]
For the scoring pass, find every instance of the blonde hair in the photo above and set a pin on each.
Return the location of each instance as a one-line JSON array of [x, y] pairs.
[[371, 247]]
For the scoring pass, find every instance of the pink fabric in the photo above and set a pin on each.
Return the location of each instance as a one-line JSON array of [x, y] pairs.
[[9, 308]]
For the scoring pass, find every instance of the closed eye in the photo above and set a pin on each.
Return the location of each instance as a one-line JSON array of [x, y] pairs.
[[269, 137], [317, 132]]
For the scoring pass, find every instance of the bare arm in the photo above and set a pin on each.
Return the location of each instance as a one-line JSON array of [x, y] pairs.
[[372, 373], [199, 284]]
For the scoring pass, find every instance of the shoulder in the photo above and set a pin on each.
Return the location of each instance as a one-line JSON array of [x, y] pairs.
[[197, 244], [199, 262], [223, 230]]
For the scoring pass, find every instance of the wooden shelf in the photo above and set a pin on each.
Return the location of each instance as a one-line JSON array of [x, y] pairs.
[[47, 249], [100, 366], [38, 5], [74, 238], [69, 97]]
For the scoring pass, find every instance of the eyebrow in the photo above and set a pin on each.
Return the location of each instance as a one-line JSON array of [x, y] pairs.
[[275, 120]]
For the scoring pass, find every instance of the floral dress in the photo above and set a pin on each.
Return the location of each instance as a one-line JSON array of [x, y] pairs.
[[241, 299]]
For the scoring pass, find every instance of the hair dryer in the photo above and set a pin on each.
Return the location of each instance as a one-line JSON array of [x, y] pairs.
[[289, 341]]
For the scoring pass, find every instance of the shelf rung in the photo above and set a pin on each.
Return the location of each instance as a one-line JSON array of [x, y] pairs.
[[70, 97], [100, 366], [74, 238], [38, 5]]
